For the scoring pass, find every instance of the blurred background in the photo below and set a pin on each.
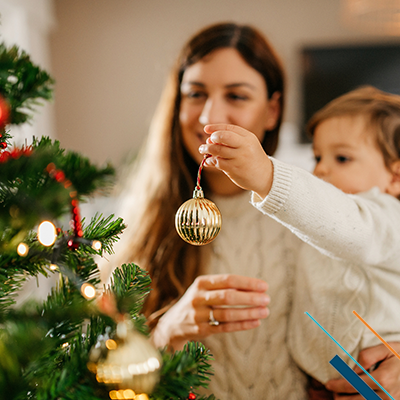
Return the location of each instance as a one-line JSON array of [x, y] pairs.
[[110, 59]]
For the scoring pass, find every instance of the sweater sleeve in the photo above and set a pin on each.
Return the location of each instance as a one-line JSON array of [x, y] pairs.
[[357, 228]]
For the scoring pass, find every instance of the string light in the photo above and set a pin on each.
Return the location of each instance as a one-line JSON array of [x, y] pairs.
[[127, 394], [23, 249], [111, 344], [47, 233], [142, 396], [88, 291], [96, 245], [53, 267]]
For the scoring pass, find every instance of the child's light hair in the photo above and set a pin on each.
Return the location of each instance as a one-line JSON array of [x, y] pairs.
[[382, 112]]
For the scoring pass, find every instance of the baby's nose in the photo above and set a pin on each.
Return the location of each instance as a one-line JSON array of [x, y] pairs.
[[320, 170]]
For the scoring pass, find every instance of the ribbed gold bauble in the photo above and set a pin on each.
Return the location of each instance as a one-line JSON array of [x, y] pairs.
[[131, 361], [198, 220]]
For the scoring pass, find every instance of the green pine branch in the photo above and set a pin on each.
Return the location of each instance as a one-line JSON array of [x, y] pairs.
[[107, 230], [29, 194], [183, 370], [22, 83], [5, 137], [131, 285]]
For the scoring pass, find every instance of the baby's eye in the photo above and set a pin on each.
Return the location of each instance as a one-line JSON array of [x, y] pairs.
[[342, 159], [317, 159]]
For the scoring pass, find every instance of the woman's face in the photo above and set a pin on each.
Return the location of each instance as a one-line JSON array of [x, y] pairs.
[[223, 88]]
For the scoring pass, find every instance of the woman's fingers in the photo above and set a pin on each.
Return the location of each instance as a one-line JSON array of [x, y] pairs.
[[231, 281], [204, 329], [240, 314], [373, 355], [348, 397], [231, 297], [357, 396], [236, 326], [230, 290], [226, 315], [213, 298]]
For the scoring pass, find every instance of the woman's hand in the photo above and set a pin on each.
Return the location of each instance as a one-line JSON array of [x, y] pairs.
[[240, 155], [387, 374], [189, 318]]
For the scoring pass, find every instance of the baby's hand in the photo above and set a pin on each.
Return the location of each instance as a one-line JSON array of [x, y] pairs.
[[240, 155]]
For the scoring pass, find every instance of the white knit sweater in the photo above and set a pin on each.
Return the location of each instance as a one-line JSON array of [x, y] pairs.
[[255, 364], [356, 266]]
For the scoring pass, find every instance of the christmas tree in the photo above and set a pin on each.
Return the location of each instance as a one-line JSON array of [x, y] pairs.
[[83, 341]]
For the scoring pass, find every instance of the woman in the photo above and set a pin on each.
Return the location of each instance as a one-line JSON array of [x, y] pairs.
[[226, 73]]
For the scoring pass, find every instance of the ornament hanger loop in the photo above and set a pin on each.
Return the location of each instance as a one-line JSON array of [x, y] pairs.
[[198, 187]]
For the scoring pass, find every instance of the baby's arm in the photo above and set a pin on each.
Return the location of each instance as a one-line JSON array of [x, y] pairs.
[[240, 155], [358, 228], [362, 228]]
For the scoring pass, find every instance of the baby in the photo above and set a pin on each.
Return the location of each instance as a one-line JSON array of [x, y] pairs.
[[347, 215]]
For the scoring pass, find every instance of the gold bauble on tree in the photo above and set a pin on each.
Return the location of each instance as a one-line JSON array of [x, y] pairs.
[[198, 220], [129, 363]]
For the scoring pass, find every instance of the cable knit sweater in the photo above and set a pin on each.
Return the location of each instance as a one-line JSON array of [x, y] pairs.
[[255, 364], [356, 266]]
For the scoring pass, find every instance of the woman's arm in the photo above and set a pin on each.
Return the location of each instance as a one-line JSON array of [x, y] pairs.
[[387, 374], [189, 318]]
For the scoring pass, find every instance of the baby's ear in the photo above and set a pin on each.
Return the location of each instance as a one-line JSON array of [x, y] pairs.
[[394, 187]]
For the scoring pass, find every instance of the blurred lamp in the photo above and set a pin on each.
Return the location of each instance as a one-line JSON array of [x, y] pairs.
[[375, 16]]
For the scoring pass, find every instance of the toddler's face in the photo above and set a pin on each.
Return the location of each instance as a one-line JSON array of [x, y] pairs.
[[347, 155]]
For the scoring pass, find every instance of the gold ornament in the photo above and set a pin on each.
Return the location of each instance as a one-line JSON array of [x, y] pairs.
[[131, 362], [198, 220]]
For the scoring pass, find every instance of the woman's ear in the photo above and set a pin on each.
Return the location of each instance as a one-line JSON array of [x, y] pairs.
[[274, 111], [394, 186]]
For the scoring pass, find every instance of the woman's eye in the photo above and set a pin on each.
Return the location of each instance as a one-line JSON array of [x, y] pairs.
[[194, 95], [342, 159], [237, 97]]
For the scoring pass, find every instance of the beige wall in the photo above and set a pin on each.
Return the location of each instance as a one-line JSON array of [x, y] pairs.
[[111, 57], [28, 24]]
